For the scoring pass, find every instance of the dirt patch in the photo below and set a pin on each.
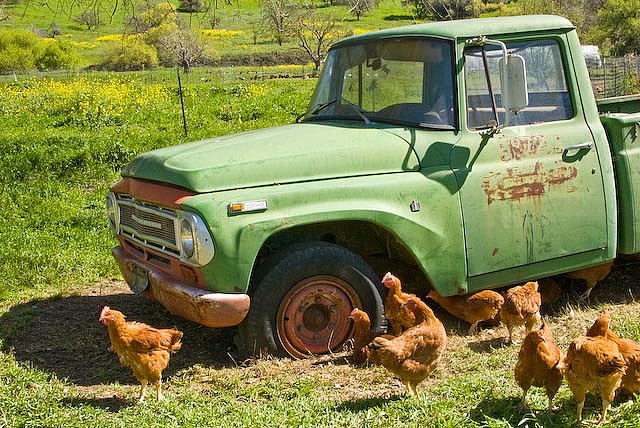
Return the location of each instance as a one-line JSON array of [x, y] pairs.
[[62, 335]]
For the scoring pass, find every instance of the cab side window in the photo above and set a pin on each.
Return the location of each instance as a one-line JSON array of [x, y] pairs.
[[549, 98]]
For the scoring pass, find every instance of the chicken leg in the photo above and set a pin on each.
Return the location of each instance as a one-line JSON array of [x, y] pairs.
[[159, 395], [143, 391], [474, 328], [523, 402]]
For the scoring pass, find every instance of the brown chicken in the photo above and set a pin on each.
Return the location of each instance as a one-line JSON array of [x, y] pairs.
[[362, 337], [521, 306], [593, 364], [143, 348], [539, 364], [400, 318], [630, 350], [414, 354], [474, 308], [550, 291], [591, 276]]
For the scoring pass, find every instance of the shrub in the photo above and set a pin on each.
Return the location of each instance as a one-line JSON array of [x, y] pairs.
[[22, 50], [19, 50], [152, 16], [56, 55], [129, 54], [630, 83]]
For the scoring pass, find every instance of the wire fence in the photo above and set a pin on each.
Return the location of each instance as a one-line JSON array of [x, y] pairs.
[[612, 77], [163, 75]]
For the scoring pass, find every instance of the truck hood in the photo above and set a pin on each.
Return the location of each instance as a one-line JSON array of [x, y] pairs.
[[279, 155]]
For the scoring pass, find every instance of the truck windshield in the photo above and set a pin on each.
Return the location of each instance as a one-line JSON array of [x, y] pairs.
[[398, 80]]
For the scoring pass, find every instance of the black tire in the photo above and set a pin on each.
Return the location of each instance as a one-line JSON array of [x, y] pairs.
[[303, 298]]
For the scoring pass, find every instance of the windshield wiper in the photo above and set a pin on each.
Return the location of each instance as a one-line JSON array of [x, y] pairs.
[[358, 110], [317, 109]]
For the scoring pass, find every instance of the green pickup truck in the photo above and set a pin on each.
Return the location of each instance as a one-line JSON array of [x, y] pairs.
[[459, 155]]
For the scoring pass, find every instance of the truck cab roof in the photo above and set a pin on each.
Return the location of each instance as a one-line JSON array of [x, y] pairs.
[[470, 28]]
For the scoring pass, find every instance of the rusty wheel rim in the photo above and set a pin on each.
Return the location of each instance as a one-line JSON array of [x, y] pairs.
[[313, 317]]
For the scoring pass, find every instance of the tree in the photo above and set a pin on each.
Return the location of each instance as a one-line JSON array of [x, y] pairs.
[[183, 47], [256, 27], [276, 14], [442, 10], [619, 22], [90, 18], [360, 7], [582, 13], [314, 33], [54, 30], [191, 6]]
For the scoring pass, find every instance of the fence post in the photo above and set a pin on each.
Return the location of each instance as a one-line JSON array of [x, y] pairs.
[[604, 77]]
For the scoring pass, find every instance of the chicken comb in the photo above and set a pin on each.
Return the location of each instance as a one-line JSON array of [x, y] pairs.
[[104, 311], [390, 279], [355, 311]]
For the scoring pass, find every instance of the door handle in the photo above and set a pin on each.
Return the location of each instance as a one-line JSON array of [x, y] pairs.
[[586, 145]]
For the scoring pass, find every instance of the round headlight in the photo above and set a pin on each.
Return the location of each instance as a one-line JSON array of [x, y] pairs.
[[186, 238], [111, 210]]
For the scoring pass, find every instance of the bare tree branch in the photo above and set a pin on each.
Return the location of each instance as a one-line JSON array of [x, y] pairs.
[[314, 33]]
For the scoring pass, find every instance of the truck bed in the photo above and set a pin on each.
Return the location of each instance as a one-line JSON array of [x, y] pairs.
[[623, 104], [620, 117]]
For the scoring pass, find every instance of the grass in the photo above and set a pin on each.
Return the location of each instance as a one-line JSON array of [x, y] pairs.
[[63, 143], [55, 371]]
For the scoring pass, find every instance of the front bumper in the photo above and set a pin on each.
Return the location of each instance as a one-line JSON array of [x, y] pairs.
[[194, 304]]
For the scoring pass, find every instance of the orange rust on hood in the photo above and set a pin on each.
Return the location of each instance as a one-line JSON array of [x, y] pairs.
[[161, 194], [515, 184]]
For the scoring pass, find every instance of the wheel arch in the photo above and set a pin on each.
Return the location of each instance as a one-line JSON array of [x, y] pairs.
[[380, 248]]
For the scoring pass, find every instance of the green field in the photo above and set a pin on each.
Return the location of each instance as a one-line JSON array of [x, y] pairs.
[[238, 32], [62, 144]]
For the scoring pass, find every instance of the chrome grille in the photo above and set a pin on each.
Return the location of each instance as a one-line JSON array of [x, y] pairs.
[[148, 224]]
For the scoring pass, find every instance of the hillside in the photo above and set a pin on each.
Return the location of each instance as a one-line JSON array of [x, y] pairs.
[[236, 30]]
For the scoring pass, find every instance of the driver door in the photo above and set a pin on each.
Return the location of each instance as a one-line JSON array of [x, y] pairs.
[[533, 191]]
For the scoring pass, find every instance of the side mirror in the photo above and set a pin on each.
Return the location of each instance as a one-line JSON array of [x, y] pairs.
[[513, 81], [374, 63]]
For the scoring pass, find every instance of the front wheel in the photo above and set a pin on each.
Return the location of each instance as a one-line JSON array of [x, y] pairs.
[[302, 302]]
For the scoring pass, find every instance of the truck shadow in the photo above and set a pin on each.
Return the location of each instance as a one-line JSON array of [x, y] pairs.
[[62, 335]]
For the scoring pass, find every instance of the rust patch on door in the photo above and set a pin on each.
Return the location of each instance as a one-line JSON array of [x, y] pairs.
[[516, 184], [523, 147]]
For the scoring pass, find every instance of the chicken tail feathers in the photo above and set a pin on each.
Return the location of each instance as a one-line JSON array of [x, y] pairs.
[[176, 342], [378, 342]]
